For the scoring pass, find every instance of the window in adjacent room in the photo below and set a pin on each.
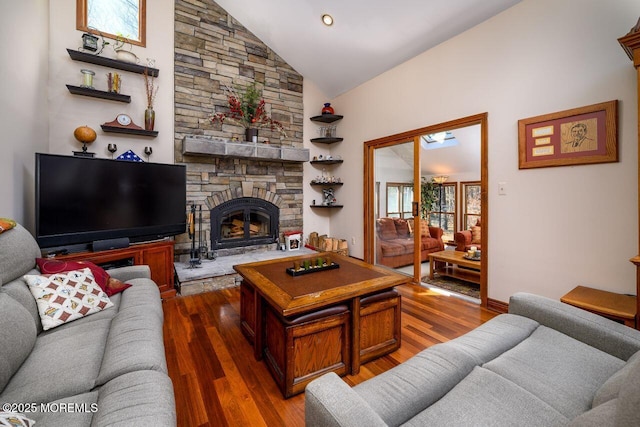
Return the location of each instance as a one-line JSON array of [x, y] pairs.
[[399, 198], [444, 211], [113, 18], [471, 204]]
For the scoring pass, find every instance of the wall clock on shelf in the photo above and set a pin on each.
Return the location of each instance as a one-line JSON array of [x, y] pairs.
[[124, 124]]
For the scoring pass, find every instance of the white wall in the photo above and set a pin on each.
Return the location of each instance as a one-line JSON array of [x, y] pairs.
[[556, 227], [67, 111], [23, 110]]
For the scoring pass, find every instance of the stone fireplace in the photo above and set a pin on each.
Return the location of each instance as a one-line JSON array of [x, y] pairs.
[[250, 194], [213, 50]]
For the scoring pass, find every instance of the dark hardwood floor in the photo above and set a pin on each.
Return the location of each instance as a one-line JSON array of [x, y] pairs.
[[217, 382]]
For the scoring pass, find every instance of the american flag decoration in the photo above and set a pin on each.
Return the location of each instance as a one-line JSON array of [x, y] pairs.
[[129, 156]]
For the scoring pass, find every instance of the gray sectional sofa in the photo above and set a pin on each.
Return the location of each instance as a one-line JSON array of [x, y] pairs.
[[106, 369], [543, 364]]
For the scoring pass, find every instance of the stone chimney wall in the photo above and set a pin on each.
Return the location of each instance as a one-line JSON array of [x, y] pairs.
[[212, 50]]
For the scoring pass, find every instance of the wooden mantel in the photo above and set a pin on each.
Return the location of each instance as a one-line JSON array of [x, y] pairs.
[[218, 147], [631, 45]]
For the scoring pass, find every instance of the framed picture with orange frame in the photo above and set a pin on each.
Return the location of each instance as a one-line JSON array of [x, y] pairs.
[[579, 136]]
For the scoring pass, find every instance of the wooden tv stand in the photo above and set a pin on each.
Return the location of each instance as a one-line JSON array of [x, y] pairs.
[[157, 255]]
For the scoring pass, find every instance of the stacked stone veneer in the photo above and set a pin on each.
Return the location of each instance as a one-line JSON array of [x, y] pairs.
[[212, 50], [246, 189]]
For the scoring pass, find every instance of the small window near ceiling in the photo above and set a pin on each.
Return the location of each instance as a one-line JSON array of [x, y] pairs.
[[124, 19]]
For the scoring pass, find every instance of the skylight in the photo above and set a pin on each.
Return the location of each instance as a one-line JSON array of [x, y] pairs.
[[434, 141]]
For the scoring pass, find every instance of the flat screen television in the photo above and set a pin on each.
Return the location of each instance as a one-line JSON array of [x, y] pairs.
[[81, 200]]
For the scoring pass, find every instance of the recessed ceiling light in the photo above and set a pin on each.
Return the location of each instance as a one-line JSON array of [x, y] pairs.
[[327, 19]]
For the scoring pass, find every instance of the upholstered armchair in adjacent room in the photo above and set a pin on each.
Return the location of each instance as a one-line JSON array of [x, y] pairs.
[[466, 238]]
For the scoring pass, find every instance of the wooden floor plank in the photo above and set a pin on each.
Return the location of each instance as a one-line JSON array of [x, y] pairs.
[[217, 381]]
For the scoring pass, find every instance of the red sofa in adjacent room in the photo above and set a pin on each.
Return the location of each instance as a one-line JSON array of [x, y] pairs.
[[395, 241]]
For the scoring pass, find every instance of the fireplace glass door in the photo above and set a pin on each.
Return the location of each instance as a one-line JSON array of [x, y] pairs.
[[244, 222], [239, 225]]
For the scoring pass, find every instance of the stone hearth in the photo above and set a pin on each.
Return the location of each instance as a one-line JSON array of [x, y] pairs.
[[213, 275]]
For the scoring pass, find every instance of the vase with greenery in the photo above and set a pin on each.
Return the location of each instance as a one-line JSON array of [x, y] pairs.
[[428, 196], [247, 109]]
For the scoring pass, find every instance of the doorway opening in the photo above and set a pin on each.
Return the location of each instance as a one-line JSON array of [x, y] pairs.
[[423, 189]]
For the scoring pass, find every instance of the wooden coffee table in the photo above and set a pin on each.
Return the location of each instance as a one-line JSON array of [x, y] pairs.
[[448, 263], [331, 320]]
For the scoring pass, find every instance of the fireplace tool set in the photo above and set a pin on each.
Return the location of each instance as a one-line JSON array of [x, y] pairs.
[[199, 248]]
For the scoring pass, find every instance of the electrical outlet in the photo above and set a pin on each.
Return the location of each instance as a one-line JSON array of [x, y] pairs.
[[353, 240]]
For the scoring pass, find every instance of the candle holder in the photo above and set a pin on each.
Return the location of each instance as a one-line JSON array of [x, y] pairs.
[[87, 78], [112, 148]]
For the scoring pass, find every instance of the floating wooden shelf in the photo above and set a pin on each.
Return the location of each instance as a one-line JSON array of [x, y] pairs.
[[76, 55], [95, 93], [326, 162], [326, 140], [326, 118], [326, 184], [142, 132]]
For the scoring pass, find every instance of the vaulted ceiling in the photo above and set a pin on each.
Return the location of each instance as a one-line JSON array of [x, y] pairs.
[[368, 37]]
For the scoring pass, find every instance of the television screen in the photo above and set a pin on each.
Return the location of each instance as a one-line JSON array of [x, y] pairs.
[[80, 200]]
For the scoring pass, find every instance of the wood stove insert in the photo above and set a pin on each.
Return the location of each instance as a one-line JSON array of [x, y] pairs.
[[245, 221]]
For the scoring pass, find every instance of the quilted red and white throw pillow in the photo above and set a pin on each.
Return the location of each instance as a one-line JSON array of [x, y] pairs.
[[107, 283], [63, 297]]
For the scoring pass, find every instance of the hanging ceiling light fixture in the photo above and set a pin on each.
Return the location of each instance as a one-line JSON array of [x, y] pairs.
[[327, 20], [441, 179]]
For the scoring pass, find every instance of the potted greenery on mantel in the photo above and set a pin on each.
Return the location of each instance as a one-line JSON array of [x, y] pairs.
[[247, 109]]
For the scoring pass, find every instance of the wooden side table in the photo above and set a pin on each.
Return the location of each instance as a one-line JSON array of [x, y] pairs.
[[618, 307]]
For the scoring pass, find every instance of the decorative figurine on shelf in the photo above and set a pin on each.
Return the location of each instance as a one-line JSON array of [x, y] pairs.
[[329, 198], [328, 109], [86, 135], [113, 82]]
